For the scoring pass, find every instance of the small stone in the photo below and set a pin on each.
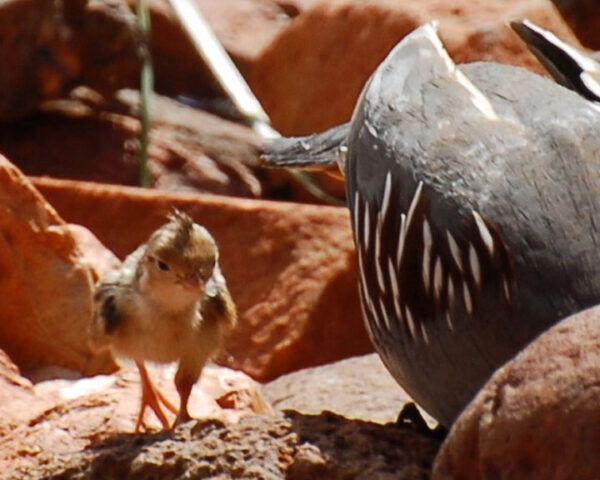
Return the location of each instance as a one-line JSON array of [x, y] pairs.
[[308, 462]]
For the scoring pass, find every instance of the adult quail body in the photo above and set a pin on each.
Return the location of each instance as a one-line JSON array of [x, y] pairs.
[[474, 194], [168, 302]]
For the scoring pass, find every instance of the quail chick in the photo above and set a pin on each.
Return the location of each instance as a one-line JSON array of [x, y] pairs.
[[168, 302]]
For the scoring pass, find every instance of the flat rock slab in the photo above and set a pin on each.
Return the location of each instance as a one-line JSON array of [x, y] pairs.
[[357, 388]]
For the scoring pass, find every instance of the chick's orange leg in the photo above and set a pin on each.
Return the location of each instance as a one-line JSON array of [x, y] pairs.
[[151, 398], [166, 402], [184, 382]]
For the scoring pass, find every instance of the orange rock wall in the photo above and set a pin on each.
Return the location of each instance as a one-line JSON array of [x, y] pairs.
[[291, 268]]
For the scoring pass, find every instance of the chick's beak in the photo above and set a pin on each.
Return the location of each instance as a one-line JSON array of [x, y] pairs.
[[192, 282]]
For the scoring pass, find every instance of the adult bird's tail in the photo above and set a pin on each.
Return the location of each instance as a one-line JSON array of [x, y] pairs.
[[570, 67], [321, 151]]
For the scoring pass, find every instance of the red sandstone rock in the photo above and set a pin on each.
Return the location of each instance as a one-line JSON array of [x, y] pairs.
[[70, 442], [45, 286], [92, 252], [13, 388], [583, 16], [47, 47], [64, 417], [88, 138], [244, 27], [358, 387], [311, 75], [290, 268], [538, 417]]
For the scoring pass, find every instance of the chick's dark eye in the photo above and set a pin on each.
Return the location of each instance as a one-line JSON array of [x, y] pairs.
[[162, 265]]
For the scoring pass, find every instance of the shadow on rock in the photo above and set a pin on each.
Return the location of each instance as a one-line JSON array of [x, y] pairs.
[[293, 446], [118, 457], [359, 449]]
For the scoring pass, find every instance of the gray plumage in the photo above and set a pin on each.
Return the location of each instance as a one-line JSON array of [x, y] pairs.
[[315, 152], [474, 200]]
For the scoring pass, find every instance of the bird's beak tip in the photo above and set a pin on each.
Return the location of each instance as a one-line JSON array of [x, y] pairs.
[[192, 283]]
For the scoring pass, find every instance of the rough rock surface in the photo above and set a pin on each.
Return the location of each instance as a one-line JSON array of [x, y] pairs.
[[56, 419], [538, 416], [13, 387], [80, 429], [45, 282], [291, 268], [47, 47], [337, 386], [88, 138], [583, 16], [294, 447], [311, 75]]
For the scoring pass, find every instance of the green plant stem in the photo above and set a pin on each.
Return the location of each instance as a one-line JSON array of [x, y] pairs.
[[146, 89]]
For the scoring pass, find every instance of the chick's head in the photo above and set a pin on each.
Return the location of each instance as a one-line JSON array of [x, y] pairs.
[[179, 260]]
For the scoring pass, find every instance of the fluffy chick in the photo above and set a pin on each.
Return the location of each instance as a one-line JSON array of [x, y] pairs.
[[168, 302]]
